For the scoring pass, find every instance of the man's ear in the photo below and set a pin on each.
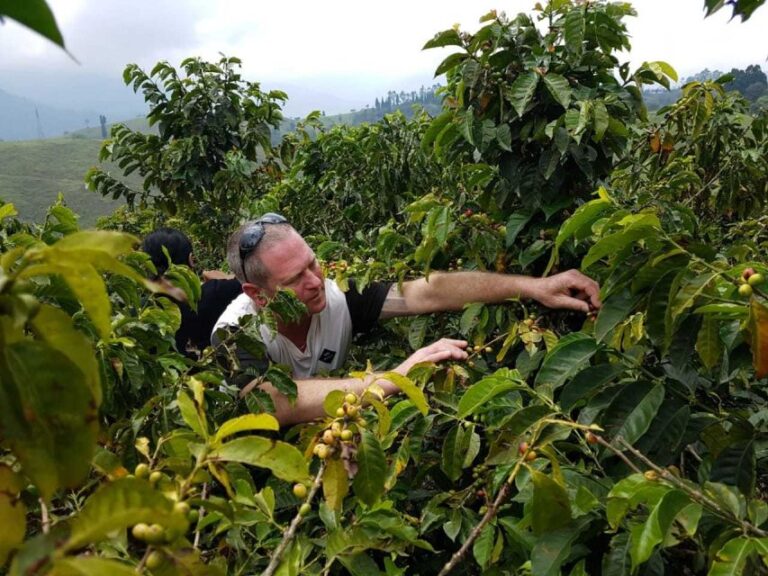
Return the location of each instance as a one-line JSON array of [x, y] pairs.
[[255, 293]]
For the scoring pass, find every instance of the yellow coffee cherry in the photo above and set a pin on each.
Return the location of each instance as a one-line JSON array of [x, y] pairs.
[[300, 491]]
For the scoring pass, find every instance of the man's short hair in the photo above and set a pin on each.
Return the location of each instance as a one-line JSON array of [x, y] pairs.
[[255, 271], [174, 241]]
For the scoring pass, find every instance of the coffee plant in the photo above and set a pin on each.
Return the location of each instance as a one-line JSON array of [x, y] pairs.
[[631, 441]]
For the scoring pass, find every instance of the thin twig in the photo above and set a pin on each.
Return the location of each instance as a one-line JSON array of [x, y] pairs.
[[490, 514], [603, 442], [695, 494], [203, 497], [291, 532], [45, 519]]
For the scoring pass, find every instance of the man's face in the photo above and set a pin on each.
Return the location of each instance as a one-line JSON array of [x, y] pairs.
[[292, 264]]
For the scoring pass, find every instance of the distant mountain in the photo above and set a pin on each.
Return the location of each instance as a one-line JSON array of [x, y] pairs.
[[25, 119]]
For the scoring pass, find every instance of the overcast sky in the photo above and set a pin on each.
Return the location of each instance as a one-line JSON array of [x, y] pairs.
[[348, 51]]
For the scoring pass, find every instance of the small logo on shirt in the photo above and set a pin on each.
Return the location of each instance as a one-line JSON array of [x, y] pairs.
[[327, 356]]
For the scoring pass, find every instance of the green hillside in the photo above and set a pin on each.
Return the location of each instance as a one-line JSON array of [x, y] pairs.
[[34, 172]]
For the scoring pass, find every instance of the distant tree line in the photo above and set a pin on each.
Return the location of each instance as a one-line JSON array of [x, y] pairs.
[[751, 83]]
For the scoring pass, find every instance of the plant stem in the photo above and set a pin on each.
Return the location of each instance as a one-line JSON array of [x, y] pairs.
[[490, 514], [45, 519], [291, 532]]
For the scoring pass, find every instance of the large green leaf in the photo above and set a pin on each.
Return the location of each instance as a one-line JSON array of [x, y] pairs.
[[550, 506], [84, 281], [371, 469], [521, 420], [662, 440], [587, 382], [90, 566], [12, 511], [193, 416], [736, 465], [481, 392], [455, 449], [521, 92], [284, 460], [335, 483], [618, 562], [34, 14], [575, 26], [48, 413], [565, 360], [552, 549], [632, 410], [615, 309], [732, 557], [651, 533], [406, 385], [246, 422], [582, 219], [689, 292], [558, 88], [55, 327], [658, 304], [482, 549], [116, 506], [616, 242], [708, 342]]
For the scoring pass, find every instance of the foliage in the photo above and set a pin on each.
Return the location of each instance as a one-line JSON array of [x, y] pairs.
[[632, 442], [743, 8], [212, 152], [35, 15]]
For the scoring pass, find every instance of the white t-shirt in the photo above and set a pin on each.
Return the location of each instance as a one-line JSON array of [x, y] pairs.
[[330, 332]]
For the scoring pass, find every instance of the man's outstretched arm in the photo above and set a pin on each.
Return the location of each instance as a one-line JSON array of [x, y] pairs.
[[312, 391], [446, 291]]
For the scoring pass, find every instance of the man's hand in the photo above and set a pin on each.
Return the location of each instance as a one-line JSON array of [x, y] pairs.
[[571, 290], [443, 349]]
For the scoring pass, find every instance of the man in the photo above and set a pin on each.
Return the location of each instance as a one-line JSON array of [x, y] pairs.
[[268, 254], [218, 290]]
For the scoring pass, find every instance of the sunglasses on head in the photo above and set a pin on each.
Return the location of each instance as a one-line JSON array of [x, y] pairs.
[[252, 235]]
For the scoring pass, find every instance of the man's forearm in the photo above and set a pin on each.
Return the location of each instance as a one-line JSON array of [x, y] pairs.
[[312, 393], [451, 291]]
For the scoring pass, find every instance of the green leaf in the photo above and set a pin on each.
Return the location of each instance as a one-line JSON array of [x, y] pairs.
[[651, 533], [284, 460], [417, 331], [558, 88], [688, 294], [658, 304], [86, 284], [116, 506], [90, 566], [583, 219], [618, 562], [455, 449], [445, 38], [708, 342], [615, 243], [632, 410], [552, 549], [48, 413], [282, 382], [481, 392], [521, 420], [55, 327], [736, 465], [12, 511], [565, 360], [551, 509], [246, 422], [575, 26], [371, 469], [483, 546], [35, 15], [410, 389], [615, 309], [515, 225], [335, 483], [192, 415], [600, 120], [470, 317], [588, 381], [732, 558], [450, 63], [521, 92]]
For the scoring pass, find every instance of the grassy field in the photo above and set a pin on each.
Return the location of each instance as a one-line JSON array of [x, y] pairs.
[[33, 173]]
